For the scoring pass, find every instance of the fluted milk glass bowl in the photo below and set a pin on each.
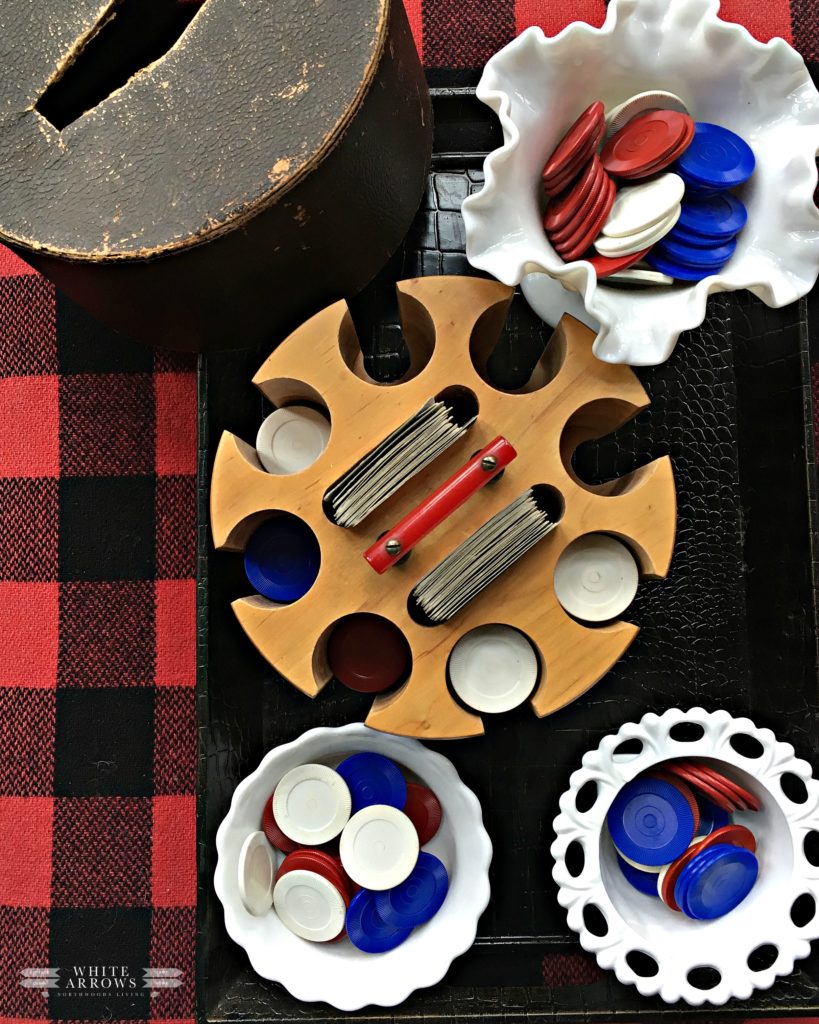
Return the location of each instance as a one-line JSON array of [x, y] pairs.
[[538, 85]]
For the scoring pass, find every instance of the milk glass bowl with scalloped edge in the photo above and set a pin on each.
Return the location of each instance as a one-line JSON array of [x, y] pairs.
[[338, 973], [781, 913], [537, 85]]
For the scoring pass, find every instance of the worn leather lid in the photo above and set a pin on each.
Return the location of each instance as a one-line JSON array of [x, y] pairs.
[[244, 104]]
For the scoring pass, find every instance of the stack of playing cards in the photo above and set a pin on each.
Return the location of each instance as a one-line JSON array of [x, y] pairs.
[[481, 558], [402, 454]]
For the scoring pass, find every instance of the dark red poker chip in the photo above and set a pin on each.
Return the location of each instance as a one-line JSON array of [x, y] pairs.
[[668, 159], [575, 141], [368, 653], [572, 249], [424, 810], [605, 266], [645, 141], [563, 207], [320, 864], [274, 834], [582, 213]]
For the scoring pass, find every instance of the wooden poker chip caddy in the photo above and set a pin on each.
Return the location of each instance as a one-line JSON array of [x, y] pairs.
[[207, 183], [451, 326]]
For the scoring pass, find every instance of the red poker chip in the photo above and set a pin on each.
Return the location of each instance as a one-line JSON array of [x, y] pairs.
[[590, 216], [670, 880], [574, 251], [424, 810], [553, 186], [563, 207], [665, 161], [556, 185], [732, 790], [703, 785], [731, 835], [750, 800], [574, 141], [582, 213], [605, 266], [644, 142], [320, 864], [274, 834]]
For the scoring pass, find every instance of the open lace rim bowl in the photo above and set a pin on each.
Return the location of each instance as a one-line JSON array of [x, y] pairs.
[[537, 86], [781, 913], [338, 973]]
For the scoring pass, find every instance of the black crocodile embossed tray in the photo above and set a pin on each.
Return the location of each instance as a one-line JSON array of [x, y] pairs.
[[733, 626]]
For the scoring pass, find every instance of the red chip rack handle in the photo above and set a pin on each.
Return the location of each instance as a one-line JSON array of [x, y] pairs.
[[423, 519]]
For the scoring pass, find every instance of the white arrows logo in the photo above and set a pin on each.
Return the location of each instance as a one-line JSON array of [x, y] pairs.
[[42, 978], [157, 978]]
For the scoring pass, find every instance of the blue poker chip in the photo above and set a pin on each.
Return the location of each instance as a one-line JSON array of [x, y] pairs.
[[367, 930], [679, 234], [694, 191], [711, 817], [417, 899], [716, 158], [683, 273], [650, 822], [720, 215], [691, 256], [373, 779], [716, 881], [282, 558], [642, 881]]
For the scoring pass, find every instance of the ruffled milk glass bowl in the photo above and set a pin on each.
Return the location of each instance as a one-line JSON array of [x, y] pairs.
[[763, 92]]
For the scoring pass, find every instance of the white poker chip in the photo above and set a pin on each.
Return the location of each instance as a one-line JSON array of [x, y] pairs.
[[656, 99], [639, 275], [289, 440], [493, 668], [625, 245], [311, 804], [596, 578], [637, 207], [309, 905], [663, 869], [650, 869], [257, 871], [379, 847]]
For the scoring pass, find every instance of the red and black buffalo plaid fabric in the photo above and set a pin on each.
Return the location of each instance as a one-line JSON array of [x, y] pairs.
[[97, 614], [97, 658]]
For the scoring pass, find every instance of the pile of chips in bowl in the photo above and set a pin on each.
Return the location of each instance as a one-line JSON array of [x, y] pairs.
[[673, 830], [653, 205], [353, 864]]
